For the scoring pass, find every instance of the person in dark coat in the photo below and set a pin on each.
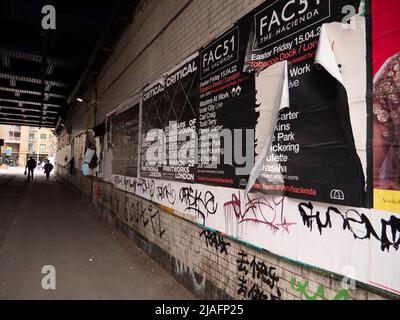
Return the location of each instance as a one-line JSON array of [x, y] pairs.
[[48, 167], [30, 165]]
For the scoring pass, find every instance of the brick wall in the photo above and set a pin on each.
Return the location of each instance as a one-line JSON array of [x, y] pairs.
[[163, 34], [211, 264]]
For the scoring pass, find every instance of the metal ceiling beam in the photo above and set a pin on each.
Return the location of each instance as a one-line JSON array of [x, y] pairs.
[[45, 42], [34, 87], [32, 92], [36, 58], [22, 124], [25, 120], [30, 103], [6, 61], [50, 126], [27, 109], [33, 80], [10, 123], [22, 115]]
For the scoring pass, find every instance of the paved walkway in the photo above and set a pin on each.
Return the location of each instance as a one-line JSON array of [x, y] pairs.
[[41, 223]]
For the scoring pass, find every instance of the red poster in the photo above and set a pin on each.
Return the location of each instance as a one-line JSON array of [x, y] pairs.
[[386, 103]]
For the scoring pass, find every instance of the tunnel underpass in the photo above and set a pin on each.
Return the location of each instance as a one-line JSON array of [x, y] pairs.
[[44, 223], [200, 149]]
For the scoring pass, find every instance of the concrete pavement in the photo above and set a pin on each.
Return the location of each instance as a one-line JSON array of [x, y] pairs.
[[42, 223]]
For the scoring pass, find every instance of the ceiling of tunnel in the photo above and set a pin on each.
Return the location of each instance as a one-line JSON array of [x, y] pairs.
[[41, 70]]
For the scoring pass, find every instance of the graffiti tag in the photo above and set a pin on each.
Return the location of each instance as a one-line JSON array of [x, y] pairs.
[[202, 203], [259, 210], [215, 240]]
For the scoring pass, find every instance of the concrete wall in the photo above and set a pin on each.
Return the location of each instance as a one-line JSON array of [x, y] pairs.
[[211, 264]]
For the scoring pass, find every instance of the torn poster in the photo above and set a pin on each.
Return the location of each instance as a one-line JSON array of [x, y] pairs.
[[272, 97], [313, 153]]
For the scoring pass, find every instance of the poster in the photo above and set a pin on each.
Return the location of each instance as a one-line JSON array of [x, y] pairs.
[[154, 114], [313, 154], [79, 147], [227, 115], [318, 148], [181, 101], [386, 104], [125, 141], [170, 124], [310, 110]]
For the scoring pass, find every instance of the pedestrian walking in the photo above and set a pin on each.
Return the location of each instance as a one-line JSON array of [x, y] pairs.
[[30, 166], [48, 167]]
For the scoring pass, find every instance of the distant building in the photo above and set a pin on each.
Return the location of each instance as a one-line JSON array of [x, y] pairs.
[[20, 142]]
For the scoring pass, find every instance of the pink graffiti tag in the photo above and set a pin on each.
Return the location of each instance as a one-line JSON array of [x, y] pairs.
[[259, 210]]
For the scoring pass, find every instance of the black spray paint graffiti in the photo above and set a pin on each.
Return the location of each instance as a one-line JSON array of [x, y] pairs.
[[259, 211], [201, 203], [126, 182], [215, 240], [136, 184], [254, 271], [146, 186], [136, 211], [357, 223], [166, 192]]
